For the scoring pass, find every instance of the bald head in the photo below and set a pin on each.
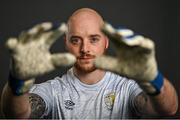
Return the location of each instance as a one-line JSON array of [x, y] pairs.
[[85, 13], [86, 16]]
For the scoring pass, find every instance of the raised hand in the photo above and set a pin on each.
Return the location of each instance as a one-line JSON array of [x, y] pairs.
[[135, 55], [30, 51]]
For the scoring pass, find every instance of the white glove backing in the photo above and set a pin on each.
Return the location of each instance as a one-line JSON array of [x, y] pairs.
[[30, 51], [135, 57]]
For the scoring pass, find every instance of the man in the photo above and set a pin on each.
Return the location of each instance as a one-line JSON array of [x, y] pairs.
[[87, 90]]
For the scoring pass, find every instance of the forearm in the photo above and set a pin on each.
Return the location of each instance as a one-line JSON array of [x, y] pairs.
[[15, 106], [163, 104], [166, 103]]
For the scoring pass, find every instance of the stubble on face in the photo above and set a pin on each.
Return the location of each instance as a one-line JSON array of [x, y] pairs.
[[85, 63], [86, 66]]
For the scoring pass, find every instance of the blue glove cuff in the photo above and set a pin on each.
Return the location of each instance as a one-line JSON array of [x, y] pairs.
[[157, 83], [19, 87]]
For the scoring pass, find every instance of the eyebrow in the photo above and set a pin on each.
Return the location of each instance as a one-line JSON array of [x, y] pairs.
[[95, 35], [74, 36]]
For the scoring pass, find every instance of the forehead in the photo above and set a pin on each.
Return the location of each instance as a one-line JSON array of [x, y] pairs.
[[85, 23]]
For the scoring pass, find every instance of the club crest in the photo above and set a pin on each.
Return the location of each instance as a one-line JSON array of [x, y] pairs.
[[109, 100]]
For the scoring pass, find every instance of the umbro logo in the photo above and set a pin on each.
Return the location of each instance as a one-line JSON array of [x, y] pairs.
[[69, 104]]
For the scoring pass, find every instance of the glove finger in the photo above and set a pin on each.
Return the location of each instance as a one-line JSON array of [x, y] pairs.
[[23, 37], [62, 59], [55, 34], [131, 39], [11, 43], [35, 32], [38, 30], [112, 34], [126, 37], [107, 63], [123, 68]]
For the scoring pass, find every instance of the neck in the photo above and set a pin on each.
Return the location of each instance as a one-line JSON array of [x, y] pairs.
[[89, 77]]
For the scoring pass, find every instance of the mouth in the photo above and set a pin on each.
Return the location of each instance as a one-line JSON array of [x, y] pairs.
[[86, 59]]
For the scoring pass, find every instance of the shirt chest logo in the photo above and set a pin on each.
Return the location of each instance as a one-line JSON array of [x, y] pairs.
[[109, 100], [69, 104]]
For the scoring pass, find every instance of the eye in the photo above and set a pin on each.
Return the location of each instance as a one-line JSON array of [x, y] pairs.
[[94, 39], [75, 41]]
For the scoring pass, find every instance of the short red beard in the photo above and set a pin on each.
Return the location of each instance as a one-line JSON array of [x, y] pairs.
[[85, 69], [88, 68]]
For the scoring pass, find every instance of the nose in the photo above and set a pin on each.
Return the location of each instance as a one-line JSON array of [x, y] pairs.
[[84, 48]]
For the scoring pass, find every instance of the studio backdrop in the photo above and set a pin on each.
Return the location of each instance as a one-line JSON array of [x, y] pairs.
[[156, 19]]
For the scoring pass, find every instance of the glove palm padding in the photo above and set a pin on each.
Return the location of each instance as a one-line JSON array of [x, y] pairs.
[[135, 55], [30, 52]]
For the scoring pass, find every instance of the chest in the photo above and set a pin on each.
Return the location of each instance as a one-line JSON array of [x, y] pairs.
[[85, 104]]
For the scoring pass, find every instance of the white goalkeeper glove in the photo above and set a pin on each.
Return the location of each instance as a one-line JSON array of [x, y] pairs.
[[30, 52], [135, 58]]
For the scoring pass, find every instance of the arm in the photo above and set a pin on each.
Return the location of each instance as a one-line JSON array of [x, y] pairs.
[[135, 59], [31, 58], [15, 106], [163, 104], [25, 106]]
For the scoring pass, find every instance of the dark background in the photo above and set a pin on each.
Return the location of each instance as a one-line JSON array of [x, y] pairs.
[[156, 19]]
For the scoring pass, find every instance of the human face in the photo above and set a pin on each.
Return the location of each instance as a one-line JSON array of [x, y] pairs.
[[86, 41]]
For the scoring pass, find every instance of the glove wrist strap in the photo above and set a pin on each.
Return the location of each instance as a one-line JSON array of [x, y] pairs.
[[153, 87], [18, 86]]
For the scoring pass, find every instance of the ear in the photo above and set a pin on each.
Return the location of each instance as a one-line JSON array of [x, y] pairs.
[[65, 42], [106, 42]]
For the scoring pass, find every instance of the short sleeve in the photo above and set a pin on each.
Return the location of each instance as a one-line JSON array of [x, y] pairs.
[[45, 92], [135, 90]]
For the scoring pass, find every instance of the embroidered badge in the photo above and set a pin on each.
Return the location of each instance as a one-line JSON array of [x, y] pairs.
[[109, 100], [69, 104]]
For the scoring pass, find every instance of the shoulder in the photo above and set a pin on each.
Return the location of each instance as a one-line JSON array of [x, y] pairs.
[[122, 82], [119, 78], [55, 83]]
